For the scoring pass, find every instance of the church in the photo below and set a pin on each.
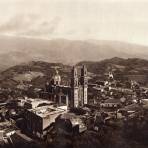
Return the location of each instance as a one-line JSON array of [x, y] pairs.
[[79, 86], [75, 95]]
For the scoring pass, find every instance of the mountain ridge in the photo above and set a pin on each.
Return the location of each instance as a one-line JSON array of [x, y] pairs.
[[15, 50]]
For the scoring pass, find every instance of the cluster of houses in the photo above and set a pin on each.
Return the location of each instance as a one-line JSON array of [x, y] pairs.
[[68, 109], [120, 101]]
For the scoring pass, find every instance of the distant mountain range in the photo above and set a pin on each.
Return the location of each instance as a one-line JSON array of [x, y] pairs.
[[14, 50]]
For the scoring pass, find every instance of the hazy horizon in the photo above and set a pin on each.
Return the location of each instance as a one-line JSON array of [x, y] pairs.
[[115, 20]]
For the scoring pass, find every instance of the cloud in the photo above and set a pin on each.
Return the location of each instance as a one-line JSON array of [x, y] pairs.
[[123, 20], [16, 23], [43, 28], [30, 25]]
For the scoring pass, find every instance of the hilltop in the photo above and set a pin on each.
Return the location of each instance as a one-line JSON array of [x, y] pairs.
[[130, 69], [38, 72]]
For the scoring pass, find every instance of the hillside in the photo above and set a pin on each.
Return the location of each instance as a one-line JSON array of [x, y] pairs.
[[14, 50], [38, 73], [132, 69]]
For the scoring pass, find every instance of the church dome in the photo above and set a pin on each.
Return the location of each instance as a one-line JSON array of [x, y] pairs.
[[57, 78]]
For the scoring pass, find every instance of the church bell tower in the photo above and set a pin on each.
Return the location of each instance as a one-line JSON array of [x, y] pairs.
[[75, 87], [84, 82]]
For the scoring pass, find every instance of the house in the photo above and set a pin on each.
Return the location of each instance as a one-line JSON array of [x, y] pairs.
[[6, 130], [70, 123], [111, 103], [130, 110]]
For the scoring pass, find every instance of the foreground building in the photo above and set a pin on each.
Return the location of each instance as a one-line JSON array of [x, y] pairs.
[[39, 119]]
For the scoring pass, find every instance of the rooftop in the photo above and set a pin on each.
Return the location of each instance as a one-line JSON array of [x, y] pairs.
[[131, 107], [4, 125], [111, 100], [38, 102], [45, 111], [75, 119]]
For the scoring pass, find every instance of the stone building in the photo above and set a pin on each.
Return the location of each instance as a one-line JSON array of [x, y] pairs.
[[79, 86], [74, 95], [39, 119]]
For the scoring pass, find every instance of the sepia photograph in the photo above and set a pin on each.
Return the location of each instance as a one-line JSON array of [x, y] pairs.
[[73, 74]]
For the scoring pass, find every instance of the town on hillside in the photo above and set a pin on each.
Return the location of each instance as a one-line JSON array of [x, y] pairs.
[[76, 112]]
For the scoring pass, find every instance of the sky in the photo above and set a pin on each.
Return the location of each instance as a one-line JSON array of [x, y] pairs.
[[123, 20]]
